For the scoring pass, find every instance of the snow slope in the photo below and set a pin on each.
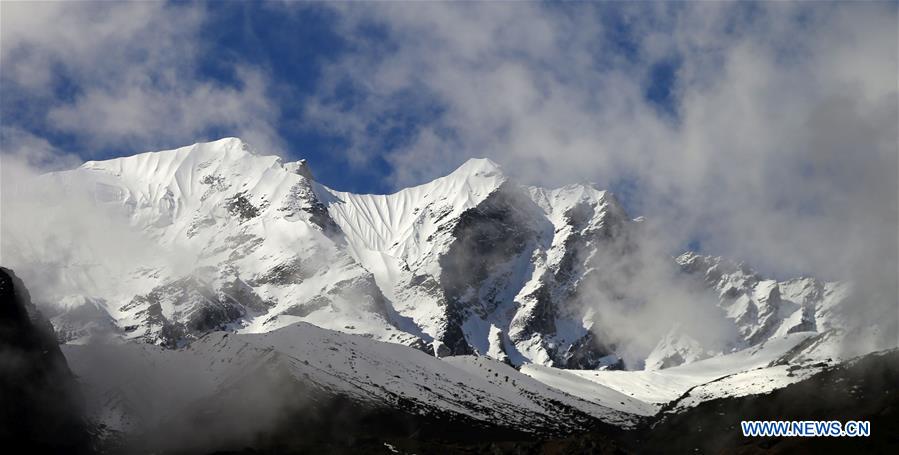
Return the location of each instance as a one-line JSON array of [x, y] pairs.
[[133, 386], [750, 371]]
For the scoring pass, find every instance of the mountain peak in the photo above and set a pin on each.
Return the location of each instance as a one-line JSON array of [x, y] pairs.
[[232, 146], [480, 167], [225, 145], [225, 141]]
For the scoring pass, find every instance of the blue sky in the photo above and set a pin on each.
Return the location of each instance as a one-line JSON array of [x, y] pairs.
[[763, 131]]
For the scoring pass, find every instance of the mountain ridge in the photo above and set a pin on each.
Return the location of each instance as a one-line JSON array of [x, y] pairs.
[[470, 263]]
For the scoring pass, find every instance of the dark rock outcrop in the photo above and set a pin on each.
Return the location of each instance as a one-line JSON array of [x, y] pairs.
[[485, 236], [41, 407], [240, 206], [197, 306]]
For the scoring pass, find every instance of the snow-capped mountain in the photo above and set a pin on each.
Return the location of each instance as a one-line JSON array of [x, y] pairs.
[[472, 300], [470, 263]]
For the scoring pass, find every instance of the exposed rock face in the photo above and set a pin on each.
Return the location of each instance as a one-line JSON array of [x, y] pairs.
[[587, 353], [186, 309], [485, 238], [302, 199], [41, 409], [300, 167], [241, 207], [289, 272]]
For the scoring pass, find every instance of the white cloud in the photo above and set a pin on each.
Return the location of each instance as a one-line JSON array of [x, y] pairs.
[[133, 70], [25, 149]]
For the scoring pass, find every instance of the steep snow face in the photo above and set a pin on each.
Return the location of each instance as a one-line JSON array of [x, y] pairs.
[[411, 226], [400, 237]]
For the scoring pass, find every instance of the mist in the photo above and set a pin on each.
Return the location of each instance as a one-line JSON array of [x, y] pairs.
[[638, 296], [167, 403], [63, 239]]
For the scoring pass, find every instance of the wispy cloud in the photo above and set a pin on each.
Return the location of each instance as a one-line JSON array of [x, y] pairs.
[[126, 75]]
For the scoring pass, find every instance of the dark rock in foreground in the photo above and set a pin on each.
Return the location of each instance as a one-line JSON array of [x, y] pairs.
[[41, 408]]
